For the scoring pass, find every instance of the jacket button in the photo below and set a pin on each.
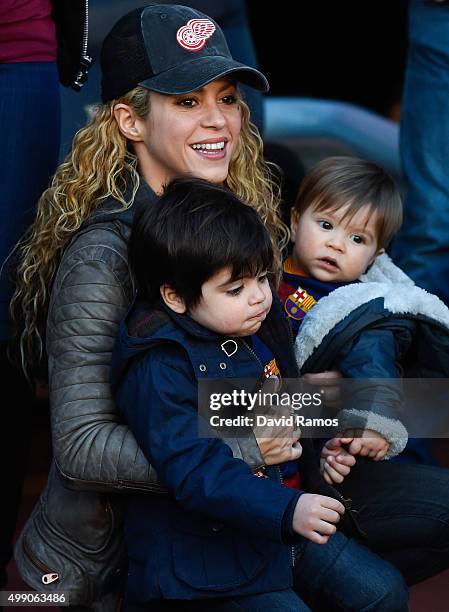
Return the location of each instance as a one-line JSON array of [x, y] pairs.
[[218, 527], [223, 366], [202, 367]]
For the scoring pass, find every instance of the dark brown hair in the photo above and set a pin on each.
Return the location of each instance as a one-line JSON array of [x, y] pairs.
[[339, 182], [195, 229]]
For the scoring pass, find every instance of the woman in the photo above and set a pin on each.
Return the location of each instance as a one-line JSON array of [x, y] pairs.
[[81, 230], [170, 108]]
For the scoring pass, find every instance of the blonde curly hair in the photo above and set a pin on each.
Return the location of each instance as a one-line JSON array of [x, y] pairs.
[[100, 165]]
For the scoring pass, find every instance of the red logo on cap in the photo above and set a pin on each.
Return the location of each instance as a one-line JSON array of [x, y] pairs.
[[194, 34]]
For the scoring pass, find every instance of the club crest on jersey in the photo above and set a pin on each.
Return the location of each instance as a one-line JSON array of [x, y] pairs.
[[193, 35], [298, 303], [271, 369]]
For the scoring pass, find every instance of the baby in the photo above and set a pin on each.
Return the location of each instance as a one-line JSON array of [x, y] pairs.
[[346, 213]]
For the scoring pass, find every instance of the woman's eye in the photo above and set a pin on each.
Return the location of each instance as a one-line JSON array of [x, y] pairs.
[[188, 102], [325, 224], [357, 239], [235, 290], [228, 100]]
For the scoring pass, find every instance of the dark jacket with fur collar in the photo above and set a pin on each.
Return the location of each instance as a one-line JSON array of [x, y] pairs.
[[383, 327]]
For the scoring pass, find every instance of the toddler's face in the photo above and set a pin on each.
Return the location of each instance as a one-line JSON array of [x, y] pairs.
[[329, 248], [234, 308]]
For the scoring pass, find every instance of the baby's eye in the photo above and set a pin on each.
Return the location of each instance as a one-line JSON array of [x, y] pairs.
[[235, 290], [187, 102], [229, 100], [357, 239], [326, 225]]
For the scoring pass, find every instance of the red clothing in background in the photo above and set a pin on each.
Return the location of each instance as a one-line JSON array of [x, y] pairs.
[[27, 31]]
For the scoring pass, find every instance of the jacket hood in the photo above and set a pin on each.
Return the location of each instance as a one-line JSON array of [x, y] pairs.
[[144, 327], [112, 210]]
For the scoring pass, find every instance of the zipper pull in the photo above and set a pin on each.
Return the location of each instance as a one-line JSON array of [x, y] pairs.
[[81, 77]]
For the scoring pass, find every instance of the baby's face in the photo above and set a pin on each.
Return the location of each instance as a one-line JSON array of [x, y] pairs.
[[329, 248], [233, 308]]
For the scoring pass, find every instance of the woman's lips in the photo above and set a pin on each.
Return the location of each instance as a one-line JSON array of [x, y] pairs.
[[215, 149]]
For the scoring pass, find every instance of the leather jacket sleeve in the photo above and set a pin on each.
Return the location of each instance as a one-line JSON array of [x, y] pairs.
[[93, 448]]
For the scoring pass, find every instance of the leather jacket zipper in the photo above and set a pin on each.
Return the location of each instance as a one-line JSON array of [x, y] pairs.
[[34, 560], [85, 60]]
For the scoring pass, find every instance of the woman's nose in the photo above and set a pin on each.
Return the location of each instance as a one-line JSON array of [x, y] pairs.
[[213, 116]]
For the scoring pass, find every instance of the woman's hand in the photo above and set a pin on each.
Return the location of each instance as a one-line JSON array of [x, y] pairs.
[[315, 517], [280, 443], [279, 450]]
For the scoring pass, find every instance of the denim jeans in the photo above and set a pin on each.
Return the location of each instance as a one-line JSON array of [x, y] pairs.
[[422, 246], [30, 120], [343, 576], [404, 510]]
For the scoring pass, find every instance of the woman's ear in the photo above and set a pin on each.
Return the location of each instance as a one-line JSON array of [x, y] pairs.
[[127, 122], [172, 299]]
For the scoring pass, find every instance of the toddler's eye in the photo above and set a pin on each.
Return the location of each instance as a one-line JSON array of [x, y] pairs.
[[326, 225], [263, 277], [235, 290], [357, 239]]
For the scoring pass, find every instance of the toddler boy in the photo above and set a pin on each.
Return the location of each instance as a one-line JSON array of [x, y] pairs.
[[351, 308]]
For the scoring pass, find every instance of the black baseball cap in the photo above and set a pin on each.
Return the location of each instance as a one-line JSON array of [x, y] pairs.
[[170, 49]]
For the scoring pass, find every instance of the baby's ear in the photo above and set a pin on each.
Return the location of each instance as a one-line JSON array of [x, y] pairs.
[[172, 299], [376, 254], [293, 223]]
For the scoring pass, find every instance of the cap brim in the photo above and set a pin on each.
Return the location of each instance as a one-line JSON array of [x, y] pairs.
[[200, 71]]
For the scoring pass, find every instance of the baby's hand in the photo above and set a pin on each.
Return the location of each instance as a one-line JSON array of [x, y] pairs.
[[336, 462], [368, 443], [315, 517]]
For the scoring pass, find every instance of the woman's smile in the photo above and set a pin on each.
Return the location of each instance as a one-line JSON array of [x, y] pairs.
[[212, 148]]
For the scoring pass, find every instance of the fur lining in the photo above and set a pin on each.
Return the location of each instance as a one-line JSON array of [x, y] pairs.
[[383, 279], [391, 429]]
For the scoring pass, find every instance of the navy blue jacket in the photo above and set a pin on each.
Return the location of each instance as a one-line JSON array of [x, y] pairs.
[[219, 528]]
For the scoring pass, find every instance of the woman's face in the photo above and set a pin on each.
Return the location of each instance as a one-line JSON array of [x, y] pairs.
[[190, 134]]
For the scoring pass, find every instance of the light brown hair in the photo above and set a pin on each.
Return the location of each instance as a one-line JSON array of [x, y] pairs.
[[339, 182]]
